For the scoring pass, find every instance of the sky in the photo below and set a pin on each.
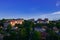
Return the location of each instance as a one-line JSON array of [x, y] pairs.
[[30, 9]]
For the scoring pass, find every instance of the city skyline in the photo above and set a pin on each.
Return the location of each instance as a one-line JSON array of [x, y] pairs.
[[30, 9]]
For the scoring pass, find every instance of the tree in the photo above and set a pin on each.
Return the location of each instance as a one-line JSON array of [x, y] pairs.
[[9, 27], [19, 25], [52, 35], [22, 34], [1, 31], [2, 22], [58, 24], [36, 36], [50, 25], [27, 26]]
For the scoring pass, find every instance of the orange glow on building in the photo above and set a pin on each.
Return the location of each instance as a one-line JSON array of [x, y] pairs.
[[13, 22]]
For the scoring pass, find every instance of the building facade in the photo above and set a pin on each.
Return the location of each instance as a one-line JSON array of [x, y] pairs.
[[43, 21], [13, 22]]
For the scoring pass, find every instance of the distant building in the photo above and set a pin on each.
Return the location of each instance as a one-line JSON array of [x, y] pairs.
[[13, 22], [43, 21], [55, 29], [32, 20], [6, 24]]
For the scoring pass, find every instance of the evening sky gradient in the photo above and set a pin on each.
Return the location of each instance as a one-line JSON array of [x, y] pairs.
[[30, 9]]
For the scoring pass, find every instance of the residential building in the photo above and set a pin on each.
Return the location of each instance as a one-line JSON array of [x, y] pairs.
[[13, 22], [43, 21], [33, 20], [17, 21]]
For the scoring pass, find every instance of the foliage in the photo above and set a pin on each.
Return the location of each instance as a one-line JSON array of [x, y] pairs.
[[51, 25], [36, 35], [58, 24], [24, 31], [9, 27]]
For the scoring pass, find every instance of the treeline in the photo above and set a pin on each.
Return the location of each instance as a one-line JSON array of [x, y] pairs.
[[26, 31]]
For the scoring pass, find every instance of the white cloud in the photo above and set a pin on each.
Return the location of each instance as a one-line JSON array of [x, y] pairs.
[[56, 12], [51, 16]]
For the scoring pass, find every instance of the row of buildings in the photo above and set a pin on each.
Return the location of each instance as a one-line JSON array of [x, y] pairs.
[[20, 21], [13, 22]]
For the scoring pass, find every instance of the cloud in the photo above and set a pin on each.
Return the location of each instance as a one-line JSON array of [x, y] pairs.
[[56, 12], [58, 3], [51, 16]]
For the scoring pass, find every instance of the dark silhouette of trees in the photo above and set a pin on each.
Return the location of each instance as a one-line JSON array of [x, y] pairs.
[[26, 31]]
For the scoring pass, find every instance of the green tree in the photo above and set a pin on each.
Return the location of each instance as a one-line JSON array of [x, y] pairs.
[[1, 31], [36, 36], [27, 26], [2, 22], [22, 34], [9, 27], [19, 25], [51, 25], [58, 24], [52, 35]]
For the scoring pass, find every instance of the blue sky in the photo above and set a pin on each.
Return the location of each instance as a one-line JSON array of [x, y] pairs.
[[30, 9]]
